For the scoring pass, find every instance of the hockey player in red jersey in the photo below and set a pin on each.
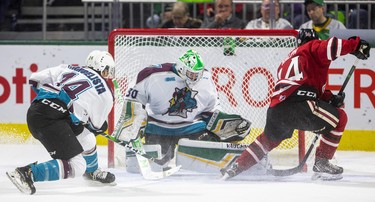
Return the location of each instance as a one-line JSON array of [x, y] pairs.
[[300, 101]]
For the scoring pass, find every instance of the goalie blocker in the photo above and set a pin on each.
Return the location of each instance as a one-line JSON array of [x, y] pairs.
[[228, 127]]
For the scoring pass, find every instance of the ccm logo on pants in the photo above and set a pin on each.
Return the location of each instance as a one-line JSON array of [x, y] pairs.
[[306, 93], [54, 105]]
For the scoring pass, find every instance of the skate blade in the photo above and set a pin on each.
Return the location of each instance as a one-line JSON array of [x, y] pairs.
[[96, 183], [326, 177], [22, 186], [225, 177], [93, 183]]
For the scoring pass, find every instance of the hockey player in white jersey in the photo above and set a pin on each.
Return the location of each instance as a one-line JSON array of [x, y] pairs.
[[72, 104], [181, 101]]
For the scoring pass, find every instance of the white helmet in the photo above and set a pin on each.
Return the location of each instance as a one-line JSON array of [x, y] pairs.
[[100, 61], [192, 67]]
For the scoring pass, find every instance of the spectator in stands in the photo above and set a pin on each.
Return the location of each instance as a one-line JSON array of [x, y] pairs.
[[223, 17], [318, 20], [264, 21], [167, 14], [181, 18], [353, 15], [295, 13], [201, 11]]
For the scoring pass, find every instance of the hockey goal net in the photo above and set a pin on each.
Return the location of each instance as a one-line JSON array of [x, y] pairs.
[[243, 64]]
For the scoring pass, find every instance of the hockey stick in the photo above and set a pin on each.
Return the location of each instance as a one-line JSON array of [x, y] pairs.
[[300, 166], [348, 76], [143, 159], [128, 145], [297, 169], [145, 167]]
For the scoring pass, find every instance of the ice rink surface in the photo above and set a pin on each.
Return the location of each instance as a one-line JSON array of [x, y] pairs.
[[357, 185]]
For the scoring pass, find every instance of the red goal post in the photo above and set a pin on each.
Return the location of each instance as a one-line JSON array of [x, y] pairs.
[[243, 64]]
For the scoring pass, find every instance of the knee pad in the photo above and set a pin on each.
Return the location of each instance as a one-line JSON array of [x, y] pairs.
[[87, 140], [78, 166]]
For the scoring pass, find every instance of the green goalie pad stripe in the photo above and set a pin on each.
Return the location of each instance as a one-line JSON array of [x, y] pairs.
[[153, 154], [209, 151], [153, 150]]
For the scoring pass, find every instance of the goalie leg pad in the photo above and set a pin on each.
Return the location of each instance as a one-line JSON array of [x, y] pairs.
[[210, 157], [131, 162], [228, 127]]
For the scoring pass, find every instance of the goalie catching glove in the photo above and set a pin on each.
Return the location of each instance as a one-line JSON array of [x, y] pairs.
[[131, 123], [228, 127]]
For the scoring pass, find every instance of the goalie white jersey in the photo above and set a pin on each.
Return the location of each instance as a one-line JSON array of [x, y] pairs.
[[172, 107], [77, 87]]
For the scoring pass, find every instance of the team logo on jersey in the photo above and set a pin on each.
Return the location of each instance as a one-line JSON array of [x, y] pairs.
[[182, 102], [282, 97]]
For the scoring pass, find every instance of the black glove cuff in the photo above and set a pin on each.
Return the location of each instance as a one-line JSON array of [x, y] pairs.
[[92, 129]]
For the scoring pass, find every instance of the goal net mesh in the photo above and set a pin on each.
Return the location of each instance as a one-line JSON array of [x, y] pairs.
[[243, 64]]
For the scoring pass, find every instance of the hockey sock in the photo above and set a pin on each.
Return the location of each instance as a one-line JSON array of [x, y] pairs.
[[329, 142], [255, 152], [91, 158], [50, 170]]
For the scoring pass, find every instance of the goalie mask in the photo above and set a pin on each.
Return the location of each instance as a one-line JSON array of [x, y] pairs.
[[101, 61], [192, 67], [306, 35]]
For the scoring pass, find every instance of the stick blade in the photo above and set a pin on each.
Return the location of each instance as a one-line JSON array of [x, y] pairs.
[[149, 174], [287, 172]]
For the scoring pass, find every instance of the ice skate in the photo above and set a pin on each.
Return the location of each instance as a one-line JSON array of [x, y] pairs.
[[101, 176], [22, 178], [326, 171], [230, 172]]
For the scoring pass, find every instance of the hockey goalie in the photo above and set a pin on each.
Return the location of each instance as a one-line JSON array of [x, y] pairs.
[[179, 105]]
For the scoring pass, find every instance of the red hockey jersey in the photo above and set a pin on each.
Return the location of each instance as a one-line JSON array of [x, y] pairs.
[[308, 65]]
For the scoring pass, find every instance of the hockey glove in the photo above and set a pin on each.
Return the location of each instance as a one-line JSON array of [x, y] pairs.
[[363, 49], [96, 131], [228, 127], [337, 100]]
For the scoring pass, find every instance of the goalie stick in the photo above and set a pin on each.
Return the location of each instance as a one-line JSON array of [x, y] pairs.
[[137, 147], [297, 169]]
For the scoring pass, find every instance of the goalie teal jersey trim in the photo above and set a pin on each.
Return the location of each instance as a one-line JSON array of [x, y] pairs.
[[193, 128]]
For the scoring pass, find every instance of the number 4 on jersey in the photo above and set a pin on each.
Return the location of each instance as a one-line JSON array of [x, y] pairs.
[[293, 73]]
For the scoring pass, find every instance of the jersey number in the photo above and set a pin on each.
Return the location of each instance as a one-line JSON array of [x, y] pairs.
[[293, 72], [73, 89], [132, 93]]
